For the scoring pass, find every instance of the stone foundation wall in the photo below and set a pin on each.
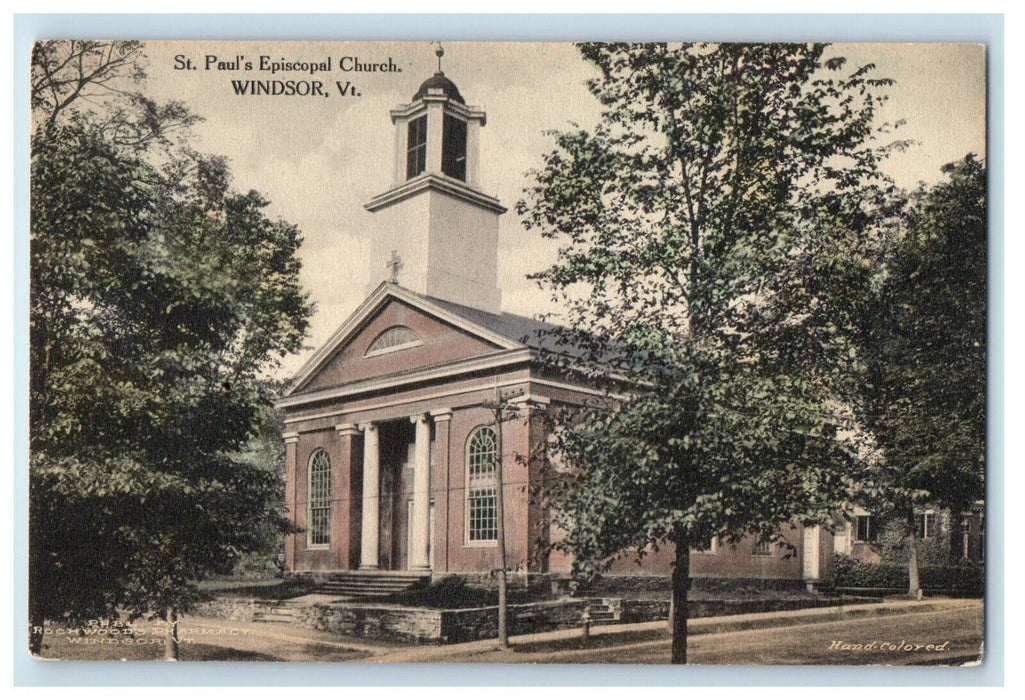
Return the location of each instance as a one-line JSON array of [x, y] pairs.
[[421, 625], [439, 626], [482, 623], [241, 609]]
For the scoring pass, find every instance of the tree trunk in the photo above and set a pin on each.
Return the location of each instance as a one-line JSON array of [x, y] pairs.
[[678, 607], [35, 636], [171, 650], [914, 587]]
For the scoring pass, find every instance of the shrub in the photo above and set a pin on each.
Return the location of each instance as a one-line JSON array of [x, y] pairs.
[[968, 579], [452, 592]]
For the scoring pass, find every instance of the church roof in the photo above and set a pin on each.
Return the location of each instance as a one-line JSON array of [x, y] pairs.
[[438, 81], [519, 329]]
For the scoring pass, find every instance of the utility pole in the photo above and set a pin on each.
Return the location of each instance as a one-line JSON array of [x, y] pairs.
[[503, 409]]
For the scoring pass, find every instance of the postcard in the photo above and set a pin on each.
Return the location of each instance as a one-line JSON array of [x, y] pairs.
[[497, 352]]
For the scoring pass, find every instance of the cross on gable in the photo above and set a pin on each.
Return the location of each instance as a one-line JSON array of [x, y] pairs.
[[394, 264]]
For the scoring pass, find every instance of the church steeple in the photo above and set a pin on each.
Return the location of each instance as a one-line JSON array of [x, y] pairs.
[[435, 215]]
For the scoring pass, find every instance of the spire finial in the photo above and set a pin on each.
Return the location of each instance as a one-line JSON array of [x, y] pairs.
[[439, 52]]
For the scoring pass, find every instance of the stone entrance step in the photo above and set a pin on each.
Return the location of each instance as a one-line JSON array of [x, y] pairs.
[[278, 613], [603, 610], [370, 584]]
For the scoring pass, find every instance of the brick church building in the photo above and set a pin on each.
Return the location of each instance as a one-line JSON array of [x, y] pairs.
[[389, 441]]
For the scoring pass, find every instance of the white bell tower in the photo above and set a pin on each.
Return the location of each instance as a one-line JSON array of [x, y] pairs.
[[434, 216]]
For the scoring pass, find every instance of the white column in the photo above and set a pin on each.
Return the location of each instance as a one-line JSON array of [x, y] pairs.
[[291, 496], [371, 531], [811, 553], [419, 552], [401, 134], [435, 131], [472, 152]]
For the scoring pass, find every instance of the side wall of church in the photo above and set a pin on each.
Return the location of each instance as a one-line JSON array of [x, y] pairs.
[[452, 550], [346, 486], [463, 554]]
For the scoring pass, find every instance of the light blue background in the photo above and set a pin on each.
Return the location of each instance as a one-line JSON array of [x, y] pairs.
[[988, 29]]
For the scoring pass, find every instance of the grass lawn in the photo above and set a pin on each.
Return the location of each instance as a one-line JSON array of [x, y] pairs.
[[856, 636], [261, 589], [66, 651], [206, 640], [957, 629]]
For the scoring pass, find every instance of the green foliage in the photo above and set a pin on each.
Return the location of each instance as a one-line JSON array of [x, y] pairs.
[[703, 227], [96, 81], [894, 547], [925, 355], [849, 572], [160, 298], [451, 592]]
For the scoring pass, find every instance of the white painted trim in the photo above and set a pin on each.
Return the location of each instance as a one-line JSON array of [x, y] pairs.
[[393, 348], [348, 429], [498, 486], [309, 499], [531, 398], [355, 322], [578, 388], [473, 364], [445, 393], [439, 182], [810, 561], [468, 112]]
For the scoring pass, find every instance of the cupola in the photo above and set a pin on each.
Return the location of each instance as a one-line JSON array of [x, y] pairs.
[[435, 217]]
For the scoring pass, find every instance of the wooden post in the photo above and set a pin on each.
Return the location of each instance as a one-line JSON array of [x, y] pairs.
[[503, 603], [171, 647]]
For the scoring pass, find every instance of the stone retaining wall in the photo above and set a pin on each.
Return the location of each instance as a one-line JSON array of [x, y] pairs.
[[439, 626], [421, 625], [228, 608], [482, 623]]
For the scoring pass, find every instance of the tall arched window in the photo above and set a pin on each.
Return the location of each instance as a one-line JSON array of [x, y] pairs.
[[481, 486], [318, 522]]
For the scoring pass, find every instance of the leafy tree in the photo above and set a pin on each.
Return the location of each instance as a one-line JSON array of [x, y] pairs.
[[925, 352], [71, 79], [160, 298], [702, 226]]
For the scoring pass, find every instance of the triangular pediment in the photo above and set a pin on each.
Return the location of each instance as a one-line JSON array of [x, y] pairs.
[[392, 332]]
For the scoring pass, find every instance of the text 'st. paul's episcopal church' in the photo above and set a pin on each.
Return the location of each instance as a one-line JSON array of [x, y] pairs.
[[390, 444]]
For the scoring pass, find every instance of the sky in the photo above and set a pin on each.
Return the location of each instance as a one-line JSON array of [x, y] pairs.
[[320, 159]]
